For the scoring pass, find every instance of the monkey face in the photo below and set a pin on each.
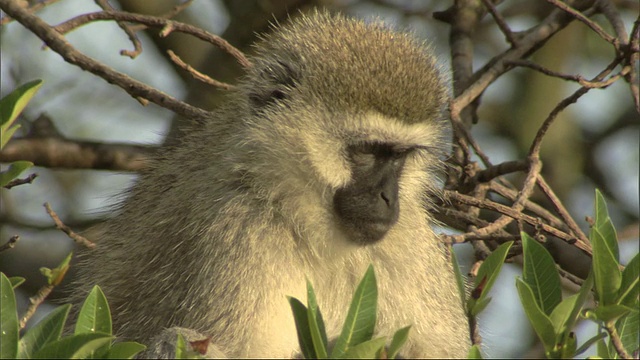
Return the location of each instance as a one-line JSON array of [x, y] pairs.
[[368, 206]]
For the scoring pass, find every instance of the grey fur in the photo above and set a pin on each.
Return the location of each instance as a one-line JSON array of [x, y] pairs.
[[227, 223]]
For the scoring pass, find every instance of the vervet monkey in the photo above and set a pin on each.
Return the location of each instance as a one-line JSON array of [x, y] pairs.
[[319, 164]]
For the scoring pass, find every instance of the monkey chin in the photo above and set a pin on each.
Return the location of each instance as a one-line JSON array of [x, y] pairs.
[[367, 233]]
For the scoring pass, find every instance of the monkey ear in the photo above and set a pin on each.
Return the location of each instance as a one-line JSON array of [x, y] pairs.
[[273, 83]]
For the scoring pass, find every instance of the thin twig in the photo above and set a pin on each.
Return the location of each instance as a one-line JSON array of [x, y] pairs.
[[167, 25], [79, 239], [10, 244], [34, 302], [561, 210], [502, 24], [197, 74], [15, 182], [131, 34], [580, 16], [37, 6], [135, 88]]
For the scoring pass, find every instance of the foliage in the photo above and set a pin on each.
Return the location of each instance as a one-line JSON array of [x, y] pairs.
[[356, 339], [10, 107], [92, 337], [616, 295]]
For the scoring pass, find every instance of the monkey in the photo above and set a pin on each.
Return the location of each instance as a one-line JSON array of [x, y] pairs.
[[322, 161]]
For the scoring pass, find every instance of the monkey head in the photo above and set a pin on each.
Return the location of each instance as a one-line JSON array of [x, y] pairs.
[[350, 111]]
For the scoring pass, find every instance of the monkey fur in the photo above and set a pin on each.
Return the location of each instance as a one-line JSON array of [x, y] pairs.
[[277, 187]]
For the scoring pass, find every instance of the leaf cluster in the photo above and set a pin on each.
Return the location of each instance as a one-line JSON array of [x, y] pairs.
[[10, 107], [616, 293], [356, 339], [92, 337]]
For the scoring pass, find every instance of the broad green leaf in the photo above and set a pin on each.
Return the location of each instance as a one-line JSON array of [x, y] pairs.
[[602, 349], [15, 169], [366, 350], [560, 315], [459, 279], [605, 267], [302, 327], [125, 350], [474, 353], [587, 344], [607, 313], [399, 338], [629, 287], [361, 318], [12, 105], [628, 328], [491, 268], [44, 332], [539, 271], [74, 347], [8, 320], [539, 320], [604, 225], [16, 281], [316, 324], [94, 316], [565, 315], [567, 346]]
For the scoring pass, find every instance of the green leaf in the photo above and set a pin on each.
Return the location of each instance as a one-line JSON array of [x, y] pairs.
[[459, 278], [478, 305], [629, 287], [183, 351], [302, 327], [604, 225], [399, 338], [539, 320], [540, 273], [602, 349], [366, 350], [605, 266], [44, 332], [607, 313], [12, 105], [74, 347], [587, 344], [491, 269], [94, 316], [125, 350], [16, 281], [6, 135], [474, 353], [565, 315], [8, 320], [567, 346], [56, 275], [361, 318], [14, 170], [316, 324], [628, 328]]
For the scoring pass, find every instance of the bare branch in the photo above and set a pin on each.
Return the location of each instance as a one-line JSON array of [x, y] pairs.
[[135, 88], [79, 239], [56, 152]]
